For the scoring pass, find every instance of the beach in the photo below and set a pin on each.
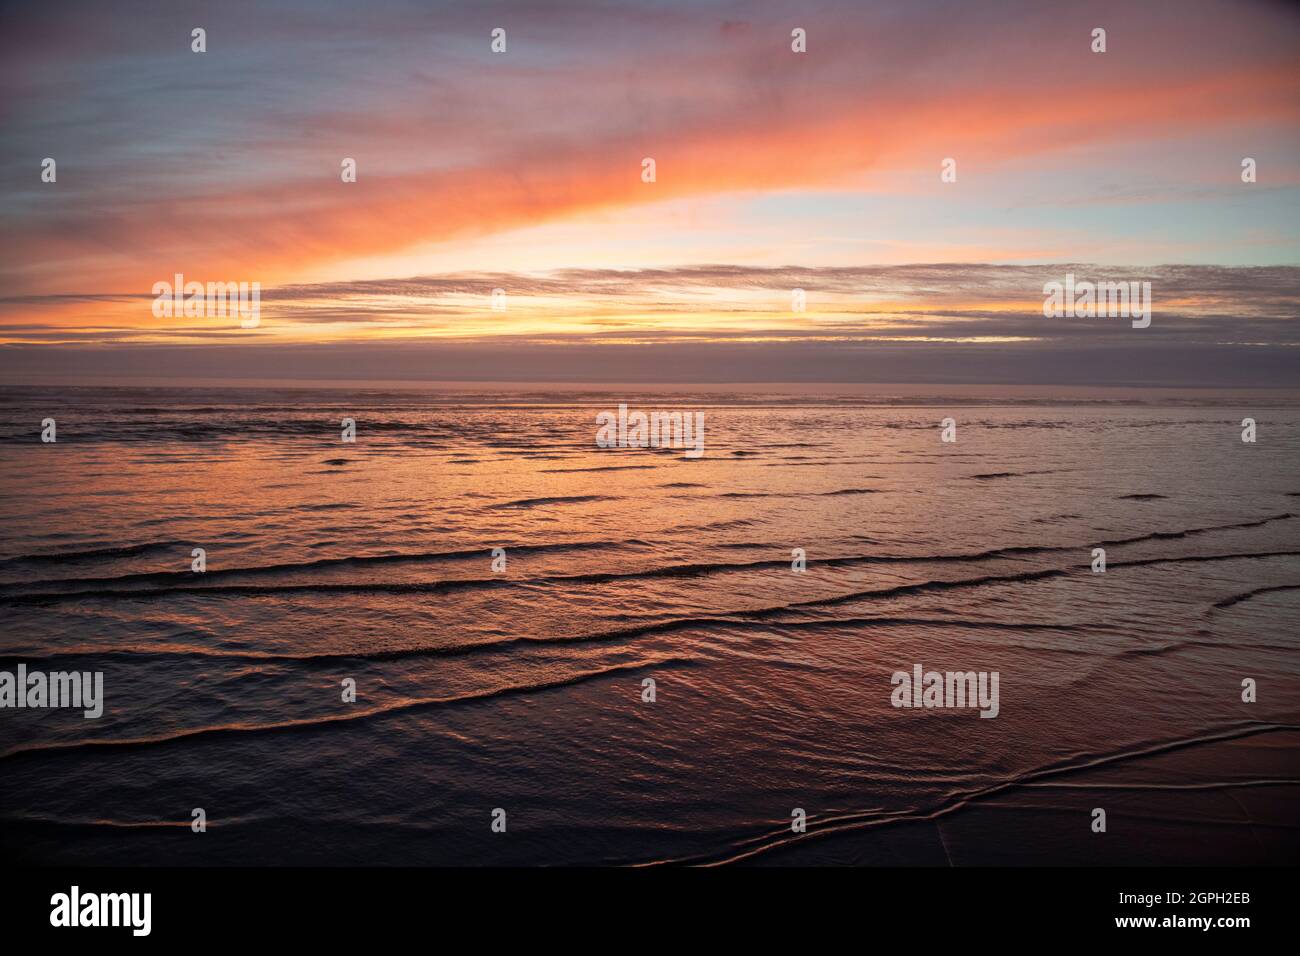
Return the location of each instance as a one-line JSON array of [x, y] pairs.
[[498, 588]]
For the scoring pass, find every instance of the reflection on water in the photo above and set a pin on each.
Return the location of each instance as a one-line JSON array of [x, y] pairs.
[[522, 687]]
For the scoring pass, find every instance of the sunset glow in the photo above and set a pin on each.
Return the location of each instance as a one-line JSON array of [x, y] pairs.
[[523, 173]]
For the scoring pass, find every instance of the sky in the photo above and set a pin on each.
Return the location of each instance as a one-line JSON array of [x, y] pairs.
[[775, 170]]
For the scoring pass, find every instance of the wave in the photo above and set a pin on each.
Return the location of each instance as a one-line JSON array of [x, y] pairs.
[[1039, 575], [1053, 518], [344, 561], [95, 554], [1247, 595], [42, 820], [798, 494], [503, 644], [952, 802], [603, 577], [311, 723], [993, 475], [556, 500], [1193, 558], [1190, 532], [574, 471], [259, 590], [428, 587]]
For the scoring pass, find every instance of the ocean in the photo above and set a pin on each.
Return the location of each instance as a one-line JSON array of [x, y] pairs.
[[495, 591]]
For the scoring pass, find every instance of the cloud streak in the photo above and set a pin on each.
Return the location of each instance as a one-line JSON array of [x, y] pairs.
[[228, 164], [522, 172]]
